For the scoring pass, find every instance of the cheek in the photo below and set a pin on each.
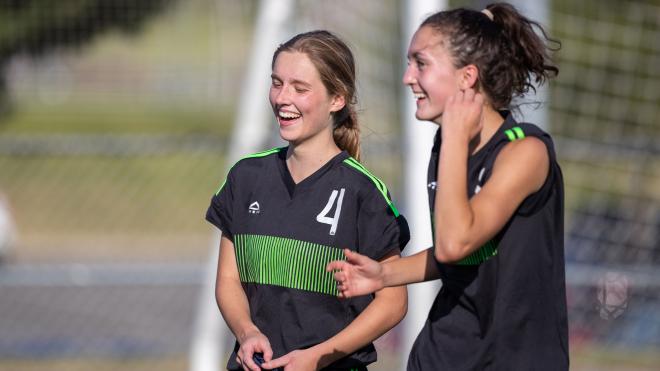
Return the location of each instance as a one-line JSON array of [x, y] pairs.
[[272, 95]]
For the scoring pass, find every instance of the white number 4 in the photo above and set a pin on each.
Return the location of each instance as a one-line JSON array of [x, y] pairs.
[[323, 215]]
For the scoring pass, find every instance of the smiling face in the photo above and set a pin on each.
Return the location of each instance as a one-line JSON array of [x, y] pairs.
[[431, 74], [299, 99]]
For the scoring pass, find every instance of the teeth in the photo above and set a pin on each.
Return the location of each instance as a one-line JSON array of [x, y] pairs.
[[419, 95], [288, 115]]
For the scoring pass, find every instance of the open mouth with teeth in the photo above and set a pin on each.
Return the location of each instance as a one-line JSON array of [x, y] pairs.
[[419, 96], [285, 116]]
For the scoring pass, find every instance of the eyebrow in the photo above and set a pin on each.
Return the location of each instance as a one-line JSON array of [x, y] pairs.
[[294, 81], [422, 53]]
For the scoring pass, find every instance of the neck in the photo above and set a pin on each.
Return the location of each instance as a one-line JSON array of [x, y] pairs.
[[492, 120], [303, 159]]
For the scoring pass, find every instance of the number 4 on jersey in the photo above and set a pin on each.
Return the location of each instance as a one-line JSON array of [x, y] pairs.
[[323, 215]]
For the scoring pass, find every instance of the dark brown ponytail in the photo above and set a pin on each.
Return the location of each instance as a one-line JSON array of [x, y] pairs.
[[509, 54], [336, 66]]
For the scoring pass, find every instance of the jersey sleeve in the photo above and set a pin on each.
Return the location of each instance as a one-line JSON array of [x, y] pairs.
[[220, 211], [381, 228]]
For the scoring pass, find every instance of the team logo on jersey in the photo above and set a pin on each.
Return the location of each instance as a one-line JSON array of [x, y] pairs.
[[254, 208], [323, 215], [432, 185]]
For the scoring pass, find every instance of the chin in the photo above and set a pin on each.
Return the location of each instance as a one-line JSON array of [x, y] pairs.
[[289, 135], [426, 116]]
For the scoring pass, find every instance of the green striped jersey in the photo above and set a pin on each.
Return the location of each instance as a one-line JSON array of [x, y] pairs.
[[284, 235]]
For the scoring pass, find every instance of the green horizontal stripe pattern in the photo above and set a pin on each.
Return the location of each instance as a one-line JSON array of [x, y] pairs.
[[258, 154], [286, 262], [484, 253], [379, 184]]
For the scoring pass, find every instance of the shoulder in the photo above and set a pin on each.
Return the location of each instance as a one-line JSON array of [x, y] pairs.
[[251, 165], [527, 157], [257, 160], [255, 164], [371, 185], [524, 139]]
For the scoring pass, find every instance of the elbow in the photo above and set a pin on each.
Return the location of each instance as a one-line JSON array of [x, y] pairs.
[[218, 297], [400, 307], [394, 302], [449, 252]]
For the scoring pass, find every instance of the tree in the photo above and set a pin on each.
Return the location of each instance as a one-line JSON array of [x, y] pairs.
[[37, 27]]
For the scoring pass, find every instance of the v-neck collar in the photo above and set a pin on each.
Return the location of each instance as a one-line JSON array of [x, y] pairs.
[[291, 185]]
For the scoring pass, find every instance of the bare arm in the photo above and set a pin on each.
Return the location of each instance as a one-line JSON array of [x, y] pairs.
[[420, 267], [384, 312], [235, 308], [359, 275], [463, 225]]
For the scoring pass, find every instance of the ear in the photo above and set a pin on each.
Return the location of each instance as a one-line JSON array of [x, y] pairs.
[[468, 76], [338, 102]]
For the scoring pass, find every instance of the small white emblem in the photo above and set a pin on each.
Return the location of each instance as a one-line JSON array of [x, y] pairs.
[[254, 208]]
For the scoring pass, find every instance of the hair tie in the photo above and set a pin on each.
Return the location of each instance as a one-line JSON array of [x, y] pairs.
[[488, 14]]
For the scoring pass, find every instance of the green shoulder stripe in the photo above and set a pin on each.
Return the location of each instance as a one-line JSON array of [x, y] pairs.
[[258, 154], [379, 184], [515, 133]]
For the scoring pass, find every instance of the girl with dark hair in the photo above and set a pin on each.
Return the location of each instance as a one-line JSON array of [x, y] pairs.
[[495, 196], [286, 213]]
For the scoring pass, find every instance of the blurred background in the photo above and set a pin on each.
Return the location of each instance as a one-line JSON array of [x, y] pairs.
[[116, 121]]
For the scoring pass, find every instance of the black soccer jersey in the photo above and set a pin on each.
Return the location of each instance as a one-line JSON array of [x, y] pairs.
[[284, 235], [504, 306]]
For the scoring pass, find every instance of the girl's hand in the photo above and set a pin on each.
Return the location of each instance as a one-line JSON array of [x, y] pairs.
[[462, 116], [357, 275], [297, 360], [254, 342]]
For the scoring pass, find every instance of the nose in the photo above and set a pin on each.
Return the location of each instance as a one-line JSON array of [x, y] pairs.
[[409, 77], [281, 95]]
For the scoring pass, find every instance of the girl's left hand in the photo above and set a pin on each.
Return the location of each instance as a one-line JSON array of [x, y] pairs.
[[297, 360], [462, 115]]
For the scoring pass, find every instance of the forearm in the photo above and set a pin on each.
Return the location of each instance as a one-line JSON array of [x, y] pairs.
[[235, 308], [419, 267], [453, 216], [386, 310]]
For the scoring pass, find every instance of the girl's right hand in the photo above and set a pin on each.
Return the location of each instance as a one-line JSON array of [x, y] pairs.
[[463, 115], [254, 342], [357, 275]]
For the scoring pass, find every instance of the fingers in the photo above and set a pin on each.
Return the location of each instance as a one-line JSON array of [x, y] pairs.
[[268, 354], [468, 95], [245, 365], [277, 362], [479, 98], [353, 257], [249, 363], [336, 265]]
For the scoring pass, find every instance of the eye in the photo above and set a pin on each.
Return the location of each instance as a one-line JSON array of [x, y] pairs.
[[300, 90], [420, 64], [276, 83]]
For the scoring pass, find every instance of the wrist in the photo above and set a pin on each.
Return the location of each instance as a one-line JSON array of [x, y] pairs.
[[247, 331], [385, 276], [322, 357]]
